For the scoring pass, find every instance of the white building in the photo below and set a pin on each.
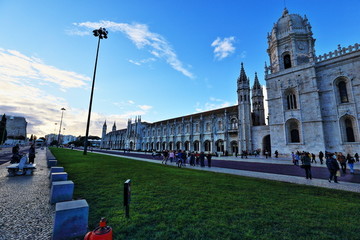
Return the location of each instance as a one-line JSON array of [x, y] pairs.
[[313, 101]]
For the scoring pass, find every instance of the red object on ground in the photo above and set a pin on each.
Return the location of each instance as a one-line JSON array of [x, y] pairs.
[[102, 232]]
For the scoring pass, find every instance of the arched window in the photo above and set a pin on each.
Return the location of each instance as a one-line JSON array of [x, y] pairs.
[[208, 127], [207, 146], [220, 125], [234, 124], [350, 137], [293, 131], [343, 92], [291, 102], [287, 61]]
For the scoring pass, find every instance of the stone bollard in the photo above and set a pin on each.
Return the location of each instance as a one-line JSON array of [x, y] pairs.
[[61, 191], [71, 220], [58, 176], [55, 169], [51, 163]]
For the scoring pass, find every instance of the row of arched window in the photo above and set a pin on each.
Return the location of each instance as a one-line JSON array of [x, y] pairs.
[[341, 93], [347, 124], [187, 130]]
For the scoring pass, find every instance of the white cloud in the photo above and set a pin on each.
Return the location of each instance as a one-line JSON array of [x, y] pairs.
[[142, 37], [16, 67], [213, 104], [223, 47], [243, 54], [145, 107], [142, 61], [77, 32]]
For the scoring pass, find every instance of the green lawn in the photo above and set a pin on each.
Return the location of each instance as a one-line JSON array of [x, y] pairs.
[[172, 203]]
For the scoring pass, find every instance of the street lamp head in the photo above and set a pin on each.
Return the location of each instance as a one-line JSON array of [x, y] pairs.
[[63, 109], [101, 33]]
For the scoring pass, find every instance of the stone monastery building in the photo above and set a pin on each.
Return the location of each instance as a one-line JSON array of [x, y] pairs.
[[313, 101]]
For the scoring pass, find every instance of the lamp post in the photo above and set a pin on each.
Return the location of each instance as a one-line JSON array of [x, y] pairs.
[[100, 33], [62, 114]]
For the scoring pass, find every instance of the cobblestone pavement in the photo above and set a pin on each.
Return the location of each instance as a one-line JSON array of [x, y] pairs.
[[26, 213]]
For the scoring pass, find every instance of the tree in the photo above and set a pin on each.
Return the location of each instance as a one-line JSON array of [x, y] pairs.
[[3, 132]]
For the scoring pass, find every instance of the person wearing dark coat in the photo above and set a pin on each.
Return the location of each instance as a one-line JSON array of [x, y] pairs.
[[209, 159], [202, 159], [306, 164], [333, 167], [31, 154], [16, 155], [321, 156]]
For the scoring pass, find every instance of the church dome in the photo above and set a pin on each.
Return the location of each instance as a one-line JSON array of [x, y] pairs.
[[290, 23]]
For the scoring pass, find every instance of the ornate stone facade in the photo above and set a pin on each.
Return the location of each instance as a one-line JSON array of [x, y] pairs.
[[314, 105]]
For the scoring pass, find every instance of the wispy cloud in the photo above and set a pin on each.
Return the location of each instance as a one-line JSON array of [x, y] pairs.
[[142, 61], [223, 47], [214, 103], [145, 107], [16, 67], [142, 37]]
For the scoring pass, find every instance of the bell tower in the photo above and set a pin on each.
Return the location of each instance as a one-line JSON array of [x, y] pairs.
[[244, 109], [257, 99], [290, 42]]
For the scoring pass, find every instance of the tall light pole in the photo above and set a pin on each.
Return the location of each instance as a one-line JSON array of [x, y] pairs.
[[100, 33], [62, 114]]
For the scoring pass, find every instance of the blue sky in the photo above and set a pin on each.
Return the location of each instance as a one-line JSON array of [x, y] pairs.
[[163, 59]]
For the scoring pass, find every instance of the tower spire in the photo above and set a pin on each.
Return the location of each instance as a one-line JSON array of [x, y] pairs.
[[256, 82], [242, 77]]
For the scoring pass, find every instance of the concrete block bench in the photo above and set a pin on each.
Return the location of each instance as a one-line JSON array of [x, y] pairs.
[[71, 220], [55, 169], [51, 163], [61, 191], [58, 176]]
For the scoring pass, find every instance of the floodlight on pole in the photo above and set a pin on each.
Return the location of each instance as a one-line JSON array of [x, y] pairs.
[[100, 33], [62, 114]]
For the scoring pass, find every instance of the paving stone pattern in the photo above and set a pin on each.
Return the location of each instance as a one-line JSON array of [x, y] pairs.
[[25, 211]]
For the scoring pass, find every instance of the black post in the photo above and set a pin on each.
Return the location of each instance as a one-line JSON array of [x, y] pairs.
[[127, 197], [101, 33], [62, 114], [91, 99]]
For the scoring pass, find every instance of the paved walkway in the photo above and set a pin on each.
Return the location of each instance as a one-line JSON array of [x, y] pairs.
[[25, 211], [278, 169]]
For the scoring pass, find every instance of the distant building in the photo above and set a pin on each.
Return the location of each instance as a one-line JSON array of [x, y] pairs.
[[313, 101], [16, 130], [64, 139]]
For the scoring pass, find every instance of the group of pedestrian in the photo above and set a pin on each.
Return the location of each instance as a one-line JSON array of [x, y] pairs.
[[16, 156], [334, 162], [183, 157]]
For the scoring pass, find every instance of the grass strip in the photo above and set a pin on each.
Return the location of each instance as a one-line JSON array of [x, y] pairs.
[[172, 203]]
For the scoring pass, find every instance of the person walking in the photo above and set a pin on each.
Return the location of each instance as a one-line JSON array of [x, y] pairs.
[[276, 153], [192, 159], [171, 156], [342, 160], [209, 159], [313, 158], [356, 157], [165, 157], [306, 164], [266, 153], [202, 159], [333, 167], [31, 154], [321, 156], [350, 160]]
